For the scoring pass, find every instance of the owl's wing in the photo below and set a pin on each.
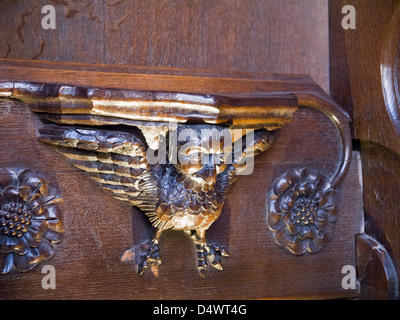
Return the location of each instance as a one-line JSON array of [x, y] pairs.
[[117, 160], [261, 140]]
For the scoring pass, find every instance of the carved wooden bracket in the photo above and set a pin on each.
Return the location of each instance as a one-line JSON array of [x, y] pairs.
[[84, 121], [300, 209]]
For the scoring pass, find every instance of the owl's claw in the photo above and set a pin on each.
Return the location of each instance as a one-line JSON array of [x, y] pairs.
[[151, 256], [207, 251]]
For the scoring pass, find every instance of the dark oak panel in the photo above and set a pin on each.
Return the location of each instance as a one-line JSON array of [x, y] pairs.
[[355, 73], [252, 36], [363, 73], [78, 35]]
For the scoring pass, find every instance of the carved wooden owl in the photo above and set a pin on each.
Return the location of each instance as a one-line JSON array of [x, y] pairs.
[[186, 194], [178, 175]]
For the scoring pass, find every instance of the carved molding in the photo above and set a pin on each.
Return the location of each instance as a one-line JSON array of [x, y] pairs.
[[372, 257], [30, 220], [67, 104], [390, 67]]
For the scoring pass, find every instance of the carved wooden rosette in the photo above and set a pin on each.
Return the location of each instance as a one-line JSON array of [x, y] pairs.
[[30, 219]]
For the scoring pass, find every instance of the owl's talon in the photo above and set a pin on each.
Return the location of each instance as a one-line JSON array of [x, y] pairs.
[[202, 272], [141, 267], [217, 266], [217, 262], [224, 253], [207, 251], [151, 256]]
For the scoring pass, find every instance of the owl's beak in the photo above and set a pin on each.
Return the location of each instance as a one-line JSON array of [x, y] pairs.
[[208, 173]]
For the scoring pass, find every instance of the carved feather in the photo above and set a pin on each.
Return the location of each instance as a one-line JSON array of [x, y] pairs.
[[115, 159], [66, 104], [170, 198]]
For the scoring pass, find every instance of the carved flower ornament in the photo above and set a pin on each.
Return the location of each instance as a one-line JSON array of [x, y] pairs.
[[30, 220], [300, 212]]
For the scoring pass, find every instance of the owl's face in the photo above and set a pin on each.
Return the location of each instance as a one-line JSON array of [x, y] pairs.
[[203, 152]]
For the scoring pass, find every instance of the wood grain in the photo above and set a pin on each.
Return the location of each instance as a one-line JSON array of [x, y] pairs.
[[376, 271], [251, 36], [154, 79], [223, 35], [380, 171], [78, 35], [356, 81]]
